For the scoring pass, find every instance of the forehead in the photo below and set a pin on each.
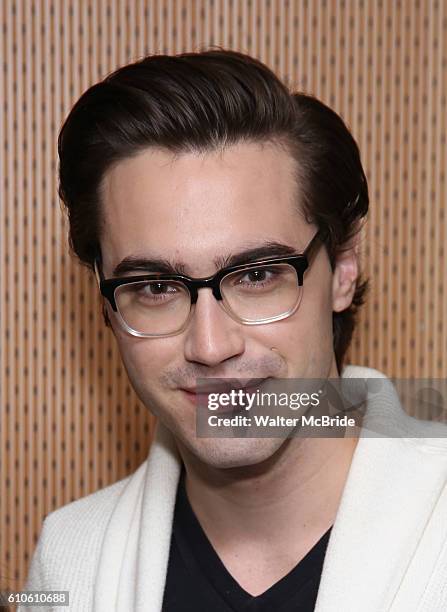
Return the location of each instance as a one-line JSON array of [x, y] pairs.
[[199, 206]]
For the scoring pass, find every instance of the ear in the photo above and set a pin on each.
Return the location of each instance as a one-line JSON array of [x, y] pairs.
[[344, 277]]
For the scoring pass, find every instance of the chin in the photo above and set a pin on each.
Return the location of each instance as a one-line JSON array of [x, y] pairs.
[[233, 452]]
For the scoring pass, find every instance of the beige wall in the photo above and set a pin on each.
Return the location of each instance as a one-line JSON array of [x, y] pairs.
[[69, 421]]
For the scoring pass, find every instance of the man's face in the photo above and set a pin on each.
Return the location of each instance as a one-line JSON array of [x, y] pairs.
[[196, 211]]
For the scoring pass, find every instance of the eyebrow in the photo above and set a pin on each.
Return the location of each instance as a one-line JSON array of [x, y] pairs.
[[133, 263]]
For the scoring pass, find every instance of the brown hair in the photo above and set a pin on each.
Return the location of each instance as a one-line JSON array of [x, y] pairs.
[[200, 102]]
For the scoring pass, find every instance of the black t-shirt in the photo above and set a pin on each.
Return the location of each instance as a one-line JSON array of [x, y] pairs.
[[198, 581]]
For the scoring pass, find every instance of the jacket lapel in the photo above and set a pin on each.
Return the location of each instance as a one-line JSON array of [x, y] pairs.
[[383, 526], [132, 565], [154, 538]]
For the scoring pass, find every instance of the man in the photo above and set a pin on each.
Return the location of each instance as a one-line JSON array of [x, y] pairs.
[[204, 166]]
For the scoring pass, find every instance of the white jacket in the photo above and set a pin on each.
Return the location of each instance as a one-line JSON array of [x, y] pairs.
[[387, 551]]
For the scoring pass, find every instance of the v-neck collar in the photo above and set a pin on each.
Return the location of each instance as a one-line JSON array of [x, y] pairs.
[[195, 547]]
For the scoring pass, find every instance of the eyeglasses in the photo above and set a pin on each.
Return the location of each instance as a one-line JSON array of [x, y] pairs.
[[160, 305]]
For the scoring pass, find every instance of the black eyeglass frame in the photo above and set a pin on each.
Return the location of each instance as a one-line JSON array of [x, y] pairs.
[[300, 262]]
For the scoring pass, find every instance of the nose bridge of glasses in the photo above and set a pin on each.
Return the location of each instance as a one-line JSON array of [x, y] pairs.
[[212, 283]]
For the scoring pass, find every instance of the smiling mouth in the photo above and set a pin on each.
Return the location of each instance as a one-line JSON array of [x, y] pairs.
[[199, 395], [225, 386]]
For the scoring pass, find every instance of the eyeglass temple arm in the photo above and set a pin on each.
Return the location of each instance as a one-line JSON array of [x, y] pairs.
[[314, 245], [98, 270]]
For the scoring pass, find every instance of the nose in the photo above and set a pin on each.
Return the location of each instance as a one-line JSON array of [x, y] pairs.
[[212, 335]]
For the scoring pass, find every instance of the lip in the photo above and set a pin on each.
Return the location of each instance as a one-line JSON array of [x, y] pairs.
[[225, 386], [200, 398]]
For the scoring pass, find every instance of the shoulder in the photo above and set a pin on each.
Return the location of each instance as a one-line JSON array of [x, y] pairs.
[[70, 542], [408, 409], [85, 516]]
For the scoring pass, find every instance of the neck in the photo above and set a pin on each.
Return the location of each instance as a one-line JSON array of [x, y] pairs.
[[299, 488]]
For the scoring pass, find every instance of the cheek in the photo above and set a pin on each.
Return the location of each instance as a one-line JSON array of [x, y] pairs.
[[144, 356], [305, 340], [317, 310], [145, 359], [307, 332], [316, 303]]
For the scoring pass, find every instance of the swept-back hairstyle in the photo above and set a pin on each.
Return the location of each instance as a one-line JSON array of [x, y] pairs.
[[201, 102]]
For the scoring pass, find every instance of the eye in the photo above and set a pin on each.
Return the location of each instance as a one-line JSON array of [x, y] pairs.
[[257, 276], [156, 291], [158, 288], [151, 293], [260, 280]]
